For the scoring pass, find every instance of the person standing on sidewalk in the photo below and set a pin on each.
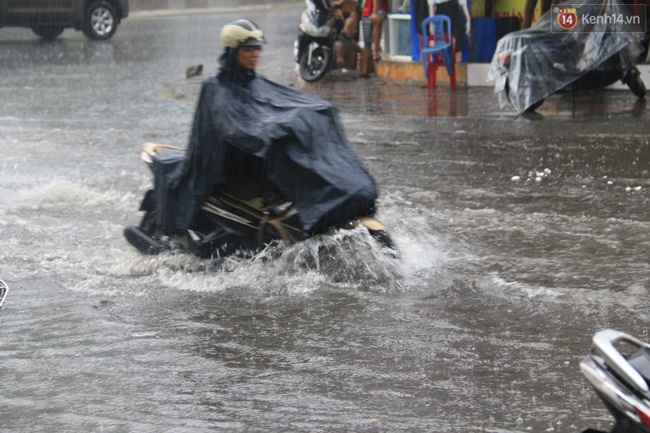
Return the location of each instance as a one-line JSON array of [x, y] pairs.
[[455, 10], [421, 9], [373, 15]]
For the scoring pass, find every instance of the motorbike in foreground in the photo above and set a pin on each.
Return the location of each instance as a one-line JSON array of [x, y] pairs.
[[618, 367], [227, 225], [532, 64], [3, 292]]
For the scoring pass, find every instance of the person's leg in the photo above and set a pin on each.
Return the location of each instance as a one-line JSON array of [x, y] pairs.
[[453, 10], [366, 29], [376, 36], [350, 26], [365, 60]]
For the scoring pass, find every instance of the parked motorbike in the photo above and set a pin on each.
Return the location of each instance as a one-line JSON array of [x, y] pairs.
[[532, 64], [228, 225], [321, 46], [3, 292], [618, 367], [317, 34]]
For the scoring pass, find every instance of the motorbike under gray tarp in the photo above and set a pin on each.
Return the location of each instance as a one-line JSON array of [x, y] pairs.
[[299, 139], [546, 58]]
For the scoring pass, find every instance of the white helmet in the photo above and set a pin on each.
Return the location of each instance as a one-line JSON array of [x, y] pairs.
[[241, 32]]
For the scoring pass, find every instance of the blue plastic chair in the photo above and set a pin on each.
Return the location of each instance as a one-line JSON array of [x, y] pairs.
[[443, 42]]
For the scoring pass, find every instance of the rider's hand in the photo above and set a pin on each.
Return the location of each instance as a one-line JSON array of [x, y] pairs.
[[375, 19]]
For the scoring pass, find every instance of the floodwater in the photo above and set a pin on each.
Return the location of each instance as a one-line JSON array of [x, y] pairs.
[[519, 238]]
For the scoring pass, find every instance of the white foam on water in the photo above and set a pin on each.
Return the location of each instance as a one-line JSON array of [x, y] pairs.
[[63, 193]]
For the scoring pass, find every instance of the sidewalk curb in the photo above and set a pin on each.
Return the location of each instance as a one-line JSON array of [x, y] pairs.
[[210, 10]]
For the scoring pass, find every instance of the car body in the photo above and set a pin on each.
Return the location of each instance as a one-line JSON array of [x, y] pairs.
[[97, 19]]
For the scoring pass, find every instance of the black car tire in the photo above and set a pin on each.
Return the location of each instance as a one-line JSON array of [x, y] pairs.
[[47, 33], [100, 21], [321, 61]]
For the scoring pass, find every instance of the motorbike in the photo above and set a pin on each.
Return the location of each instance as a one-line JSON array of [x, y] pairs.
[[314, 49], [230, 226], [618, 368], [320, 46], [3, 292], [602, 47]]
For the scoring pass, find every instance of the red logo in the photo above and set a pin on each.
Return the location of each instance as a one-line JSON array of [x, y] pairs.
[[567, 18]]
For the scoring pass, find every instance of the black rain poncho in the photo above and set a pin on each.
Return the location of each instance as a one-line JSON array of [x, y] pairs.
[[300, 142]]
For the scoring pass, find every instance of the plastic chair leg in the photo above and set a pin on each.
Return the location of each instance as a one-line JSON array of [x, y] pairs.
[[450, 66], [432, 69], [440, 59], [452, 76], [451, 71]]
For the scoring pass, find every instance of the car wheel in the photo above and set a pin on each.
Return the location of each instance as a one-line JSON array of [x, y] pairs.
[[100, 21], [47, 33]]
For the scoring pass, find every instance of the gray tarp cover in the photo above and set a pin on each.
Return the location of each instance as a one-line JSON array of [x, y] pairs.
[[546, 58], [300, 139]]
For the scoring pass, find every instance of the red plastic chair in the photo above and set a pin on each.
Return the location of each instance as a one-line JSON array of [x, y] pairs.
[[441, 52]]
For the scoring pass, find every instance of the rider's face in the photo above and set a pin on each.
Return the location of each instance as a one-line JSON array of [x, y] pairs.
[[248, 56]]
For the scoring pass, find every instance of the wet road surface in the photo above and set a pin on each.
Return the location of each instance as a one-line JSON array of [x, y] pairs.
[[520, 237]]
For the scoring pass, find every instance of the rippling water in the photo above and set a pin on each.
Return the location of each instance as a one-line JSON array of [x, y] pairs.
[[519, 238]]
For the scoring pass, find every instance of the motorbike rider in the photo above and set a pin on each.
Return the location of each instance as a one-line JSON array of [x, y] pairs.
[[252, 138], [242, 41], [243, 173]]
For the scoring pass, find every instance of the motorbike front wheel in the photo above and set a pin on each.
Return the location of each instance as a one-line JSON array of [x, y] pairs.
[[321, 59]]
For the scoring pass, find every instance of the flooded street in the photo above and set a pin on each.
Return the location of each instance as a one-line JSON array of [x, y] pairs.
[[519, 238]]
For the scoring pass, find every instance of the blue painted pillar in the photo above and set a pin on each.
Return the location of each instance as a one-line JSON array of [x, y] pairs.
[[415, 40]]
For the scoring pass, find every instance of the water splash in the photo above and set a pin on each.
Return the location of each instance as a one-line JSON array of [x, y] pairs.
[[60, 194], [344, 258], [81, 241]]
